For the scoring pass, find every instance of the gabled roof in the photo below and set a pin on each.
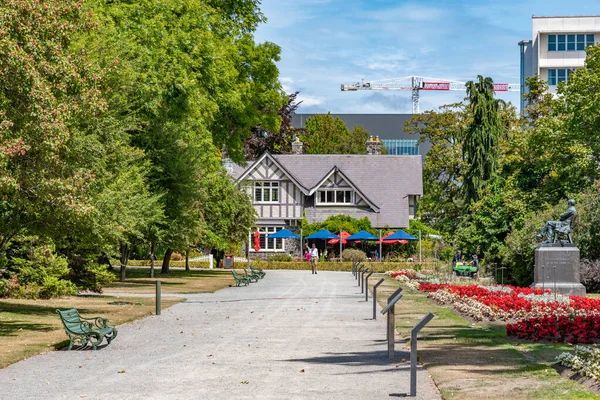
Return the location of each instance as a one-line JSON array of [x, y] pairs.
[[352, 185], [384, 181]]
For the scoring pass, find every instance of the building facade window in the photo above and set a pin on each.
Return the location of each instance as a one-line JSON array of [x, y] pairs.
[[558, 75], [266, 192], [571, 42], [335, 197], [401, 147], [412, 207], [267, 244]]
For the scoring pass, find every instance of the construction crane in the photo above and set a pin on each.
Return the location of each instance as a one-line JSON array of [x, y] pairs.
[[418, 83]]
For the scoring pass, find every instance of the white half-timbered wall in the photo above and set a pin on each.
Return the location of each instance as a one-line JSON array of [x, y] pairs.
[[290, 197]]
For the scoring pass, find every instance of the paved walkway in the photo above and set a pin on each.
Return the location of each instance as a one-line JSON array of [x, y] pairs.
[[292, 335]]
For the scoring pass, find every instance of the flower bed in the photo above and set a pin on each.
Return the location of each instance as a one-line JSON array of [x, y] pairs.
[[539, 315], [585, 361]]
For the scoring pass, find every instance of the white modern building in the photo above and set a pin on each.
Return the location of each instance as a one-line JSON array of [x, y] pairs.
[[557, 47]]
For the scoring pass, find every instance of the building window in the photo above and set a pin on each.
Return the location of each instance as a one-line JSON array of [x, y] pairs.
[[401, 147], [558, 75], [551, 42], [570, 42], [267, 244], [266, 192], [412, 207], [335, 196]]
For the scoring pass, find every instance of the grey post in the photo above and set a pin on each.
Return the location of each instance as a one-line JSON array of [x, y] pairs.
[[390, 309], [413, 352], [158, 297], [358, 271], [375, 297], [389, 299], [366, 285], [361, 278]]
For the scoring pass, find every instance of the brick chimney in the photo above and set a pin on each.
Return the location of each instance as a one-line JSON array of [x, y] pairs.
[[373, 146], [297, 146]]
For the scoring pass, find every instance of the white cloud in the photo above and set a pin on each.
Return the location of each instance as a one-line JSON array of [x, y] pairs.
[[308, 100]]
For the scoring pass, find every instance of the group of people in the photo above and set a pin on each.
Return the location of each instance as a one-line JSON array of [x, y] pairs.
[[312, 254], [459, 257]]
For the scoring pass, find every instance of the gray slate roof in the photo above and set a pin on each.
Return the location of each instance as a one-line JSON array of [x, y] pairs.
[[385, 180]]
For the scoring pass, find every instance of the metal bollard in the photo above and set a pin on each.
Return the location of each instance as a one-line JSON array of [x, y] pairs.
[[158, 298], [413, 352], [389, 299], [358, 272], [366, 285], [362, 278], [390, 309], [375, 297]]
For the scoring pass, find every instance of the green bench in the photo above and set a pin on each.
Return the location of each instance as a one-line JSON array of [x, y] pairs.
[[240, 280], [86, 330], [251, 276], [257, 271]]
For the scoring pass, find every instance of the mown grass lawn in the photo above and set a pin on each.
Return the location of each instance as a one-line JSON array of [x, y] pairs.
[[178, 281], [476, 360], [30, 327]]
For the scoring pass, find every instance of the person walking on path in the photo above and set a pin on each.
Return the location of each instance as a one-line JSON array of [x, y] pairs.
[[314, 258]]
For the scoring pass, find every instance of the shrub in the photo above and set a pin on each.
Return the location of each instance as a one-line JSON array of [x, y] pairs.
[[353, 255], [590, 275], [54, 287], [281, 257], [378, 267]]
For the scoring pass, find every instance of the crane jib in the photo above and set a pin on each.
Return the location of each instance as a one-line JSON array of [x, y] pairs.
[[498, 87]]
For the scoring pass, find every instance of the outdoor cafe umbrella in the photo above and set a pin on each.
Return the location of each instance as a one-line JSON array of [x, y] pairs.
[[385, 240], [362, 235], [343, 235], [322, 234], [400, 235], [283, 234]]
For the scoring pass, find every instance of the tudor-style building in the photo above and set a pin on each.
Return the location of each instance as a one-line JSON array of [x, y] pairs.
[[383, 188]]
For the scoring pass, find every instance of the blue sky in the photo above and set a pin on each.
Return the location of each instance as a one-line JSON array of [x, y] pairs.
[[328, 42]]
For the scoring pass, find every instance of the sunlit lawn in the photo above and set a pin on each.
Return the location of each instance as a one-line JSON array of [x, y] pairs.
[[29, 327]]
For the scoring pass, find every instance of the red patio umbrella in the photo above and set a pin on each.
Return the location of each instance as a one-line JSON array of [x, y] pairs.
[[401, 241], [256, 241], [344, 235]]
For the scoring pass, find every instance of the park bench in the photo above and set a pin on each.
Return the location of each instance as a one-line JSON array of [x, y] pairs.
[[252, 276], [240, 280], [86, 330], [258, 271]]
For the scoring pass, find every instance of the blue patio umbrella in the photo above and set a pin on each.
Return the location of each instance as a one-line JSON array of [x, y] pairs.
[[322, 234], [400, 235], [362, 235], [283, 234]]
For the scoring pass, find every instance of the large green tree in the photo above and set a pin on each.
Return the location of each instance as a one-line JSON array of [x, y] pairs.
[[482, 136], [328, 135]]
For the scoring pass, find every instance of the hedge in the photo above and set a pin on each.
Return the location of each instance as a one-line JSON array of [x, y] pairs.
[[343, 266], [158, 263]]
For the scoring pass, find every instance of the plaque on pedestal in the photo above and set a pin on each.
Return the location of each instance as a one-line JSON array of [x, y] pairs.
[[557, 269]]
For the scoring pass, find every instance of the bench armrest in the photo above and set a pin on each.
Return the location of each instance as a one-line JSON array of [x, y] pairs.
[[99, 322]]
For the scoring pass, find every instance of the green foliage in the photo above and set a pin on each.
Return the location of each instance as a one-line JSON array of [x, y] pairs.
[[337, 223], [281, 257], [328, 135], [480, 143], [441, 204], [353, 255], [36, 271]]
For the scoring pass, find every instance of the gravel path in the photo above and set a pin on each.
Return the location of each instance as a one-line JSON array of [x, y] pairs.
[[292, 335]]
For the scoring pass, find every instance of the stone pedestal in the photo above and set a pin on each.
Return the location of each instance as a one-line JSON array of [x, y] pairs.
[[557, 268]]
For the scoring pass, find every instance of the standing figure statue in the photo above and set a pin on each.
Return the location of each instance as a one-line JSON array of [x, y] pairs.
[[564, 226]]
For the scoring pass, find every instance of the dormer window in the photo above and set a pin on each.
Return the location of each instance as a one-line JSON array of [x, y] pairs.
[[335, 197], [266, 192]]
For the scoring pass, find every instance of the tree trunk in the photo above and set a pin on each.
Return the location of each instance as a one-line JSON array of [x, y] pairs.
[[124, 257], [152, 258], [166, 260], [187, 260]]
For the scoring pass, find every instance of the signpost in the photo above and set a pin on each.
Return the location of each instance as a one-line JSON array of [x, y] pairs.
[[390, 310], [375, 297]]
